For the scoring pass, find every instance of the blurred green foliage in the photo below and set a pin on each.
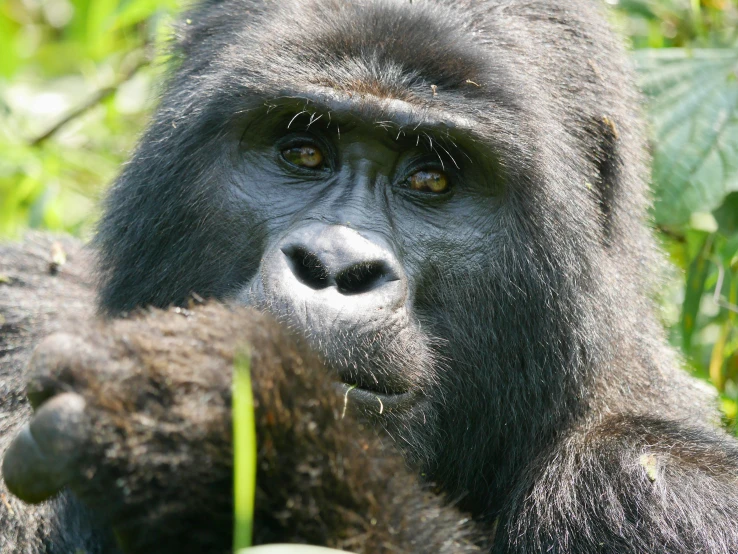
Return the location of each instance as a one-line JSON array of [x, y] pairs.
[[687, 54], [90, 59], [78, 80]]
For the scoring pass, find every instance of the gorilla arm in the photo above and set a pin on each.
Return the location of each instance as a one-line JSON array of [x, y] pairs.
[[627, 484], [44, 287], [134, 416]]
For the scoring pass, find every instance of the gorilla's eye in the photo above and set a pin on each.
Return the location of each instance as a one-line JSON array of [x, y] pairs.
[[429, 181], [305, 155]]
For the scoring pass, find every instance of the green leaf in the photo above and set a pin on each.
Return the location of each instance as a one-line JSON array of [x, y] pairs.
[[132, 12], [727, 215], [637, 7], [696, 276], [9, 60], [718, 358], [693, 108], [100, 17]]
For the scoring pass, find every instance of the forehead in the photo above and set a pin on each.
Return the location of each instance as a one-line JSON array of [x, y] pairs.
[[380, 47], [388, 50], [425, 65]]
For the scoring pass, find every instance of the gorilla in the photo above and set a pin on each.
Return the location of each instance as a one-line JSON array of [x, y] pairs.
[[427, 223]]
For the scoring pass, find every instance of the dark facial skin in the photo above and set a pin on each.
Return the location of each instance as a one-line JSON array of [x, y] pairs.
[[353, 214]]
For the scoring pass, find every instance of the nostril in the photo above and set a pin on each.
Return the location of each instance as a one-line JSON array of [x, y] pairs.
[[363, 277], [307, 267]]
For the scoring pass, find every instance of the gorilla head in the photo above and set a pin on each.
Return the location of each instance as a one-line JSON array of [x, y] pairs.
[[444, 198]]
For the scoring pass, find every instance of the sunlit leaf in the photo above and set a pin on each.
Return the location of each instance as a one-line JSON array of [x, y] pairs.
[[9, 59], [135, 11], [100, 18], [693, 107], [717, 358]]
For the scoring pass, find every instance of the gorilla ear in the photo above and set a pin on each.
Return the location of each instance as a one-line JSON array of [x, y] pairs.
[[608, 164]]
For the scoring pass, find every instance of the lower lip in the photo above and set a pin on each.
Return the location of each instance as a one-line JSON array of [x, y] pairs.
[[374, 402]]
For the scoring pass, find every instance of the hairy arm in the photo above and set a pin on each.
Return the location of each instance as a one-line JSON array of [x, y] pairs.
[[134, 416], [45, 287], [628, 484]]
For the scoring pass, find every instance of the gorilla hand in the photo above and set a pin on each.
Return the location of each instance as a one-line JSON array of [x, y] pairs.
[[134, 417]]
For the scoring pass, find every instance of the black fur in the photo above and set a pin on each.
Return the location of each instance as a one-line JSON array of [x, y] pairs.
[[548, 405]]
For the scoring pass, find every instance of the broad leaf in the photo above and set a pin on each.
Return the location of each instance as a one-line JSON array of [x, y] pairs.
[[693, 108]]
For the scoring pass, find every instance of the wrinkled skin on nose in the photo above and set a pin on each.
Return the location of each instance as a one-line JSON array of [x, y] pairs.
[[333, 275]]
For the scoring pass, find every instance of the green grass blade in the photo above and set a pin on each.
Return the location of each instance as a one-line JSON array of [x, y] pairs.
[[244, 453]]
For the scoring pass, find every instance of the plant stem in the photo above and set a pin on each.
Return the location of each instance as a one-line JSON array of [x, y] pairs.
[[244, 453]]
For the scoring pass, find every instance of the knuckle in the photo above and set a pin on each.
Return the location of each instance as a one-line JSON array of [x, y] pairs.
[[61, 425], [56, 353], [56, 366], [44, 456]]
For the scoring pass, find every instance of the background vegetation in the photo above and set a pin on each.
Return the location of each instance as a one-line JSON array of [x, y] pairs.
[[77, 82]]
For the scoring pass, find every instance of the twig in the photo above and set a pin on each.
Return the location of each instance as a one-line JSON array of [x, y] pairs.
[[93, 101]]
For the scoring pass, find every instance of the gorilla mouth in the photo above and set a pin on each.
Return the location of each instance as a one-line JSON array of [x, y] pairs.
[[390, 359], [375, 398], [373, 382]]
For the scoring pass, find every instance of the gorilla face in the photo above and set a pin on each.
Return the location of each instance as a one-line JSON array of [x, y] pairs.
[[353, 215], [418, 192]]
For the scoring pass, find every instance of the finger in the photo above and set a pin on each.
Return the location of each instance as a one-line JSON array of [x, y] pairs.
[[44, 457], [55, 366]]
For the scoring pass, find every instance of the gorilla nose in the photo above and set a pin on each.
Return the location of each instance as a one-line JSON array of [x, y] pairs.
[[348, 270], [336, 256], [332, 273]]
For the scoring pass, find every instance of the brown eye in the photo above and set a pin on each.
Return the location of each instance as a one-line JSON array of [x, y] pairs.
[[304, 156], [429, 181]]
